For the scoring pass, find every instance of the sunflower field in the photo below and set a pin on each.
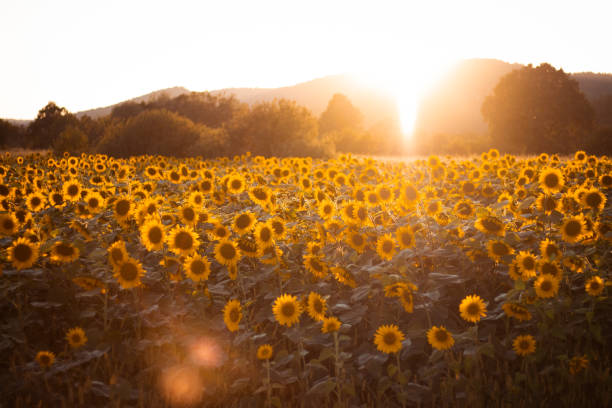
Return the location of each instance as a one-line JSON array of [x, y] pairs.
[[250, 281]]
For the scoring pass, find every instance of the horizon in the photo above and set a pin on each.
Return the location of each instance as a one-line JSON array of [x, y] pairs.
[[129, 50]]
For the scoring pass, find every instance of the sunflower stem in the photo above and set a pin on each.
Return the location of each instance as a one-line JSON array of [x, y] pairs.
[[105, 323], [268, 385], [337, 367]]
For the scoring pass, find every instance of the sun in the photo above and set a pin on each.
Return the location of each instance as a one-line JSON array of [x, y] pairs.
[[406, 77]]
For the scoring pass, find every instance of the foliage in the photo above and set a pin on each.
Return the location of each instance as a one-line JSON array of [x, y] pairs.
[[538, 109], [151, 132], [154, 329], [9, 134], [72, 140], [340, 115], [48, 125]]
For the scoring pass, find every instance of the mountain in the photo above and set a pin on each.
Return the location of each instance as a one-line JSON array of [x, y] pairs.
[[169, 92]]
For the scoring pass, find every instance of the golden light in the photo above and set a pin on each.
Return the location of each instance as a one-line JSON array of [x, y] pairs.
[[205, 352], [181, 385]]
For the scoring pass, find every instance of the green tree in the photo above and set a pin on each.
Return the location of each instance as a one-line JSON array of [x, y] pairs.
[[49, 123], [10, 135], [534, 110], [277, 128], [72, 140], [339, 115], [151, 132]]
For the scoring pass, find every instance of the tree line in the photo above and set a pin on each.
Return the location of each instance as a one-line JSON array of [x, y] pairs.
[[207, 125], [531, 110]]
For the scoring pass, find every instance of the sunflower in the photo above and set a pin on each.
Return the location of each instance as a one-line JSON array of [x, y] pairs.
[[95, 202], [36, 201], [219, 232], [232, 314], [527, 264], [23, 253], [330, 325], [343, 276], [605, 181], [76, 337], [464, 209], [490, 225], [152, 234], [551, 268], [72, 190], [64, 252], [183, 241], [548, 203], [432, 208], [244, 222], [9, 224], [188, 215], [197, 268], [287, 310], [45, 358], [316, 306], [279, 228], [235, 184], [316, 266], [227, 253], [388, 338], [594, 200], [551, 180], [498, 249], [356, 241], [472, 308], [549, 250], [440, 338], [594, 286], [409, 195], [546, 286], [122, 208], [385, 247], [577, 364], [264, 235], [573, 228], [524, 345], [128, 273], [327, 209], [117, 253], [264, 352], [406, 299], [519, 312]]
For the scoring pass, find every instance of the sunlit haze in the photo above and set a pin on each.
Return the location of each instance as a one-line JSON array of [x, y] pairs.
[[84, 55]]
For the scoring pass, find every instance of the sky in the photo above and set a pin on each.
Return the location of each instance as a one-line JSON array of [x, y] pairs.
[[84, 55]]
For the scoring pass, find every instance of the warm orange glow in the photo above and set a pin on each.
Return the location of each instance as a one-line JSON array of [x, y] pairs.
[[205, 352], [181, 385]]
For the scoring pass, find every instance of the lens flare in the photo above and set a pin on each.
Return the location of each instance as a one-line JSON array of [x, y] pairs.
[[181, 385]]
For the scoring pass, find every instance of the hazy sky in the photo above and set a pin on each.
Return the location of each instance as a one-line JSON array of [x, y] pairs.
[[83, 55]]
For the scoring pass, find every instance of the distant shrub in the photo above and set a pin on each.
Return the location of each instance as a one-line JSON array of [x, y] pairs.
[[72, 140]]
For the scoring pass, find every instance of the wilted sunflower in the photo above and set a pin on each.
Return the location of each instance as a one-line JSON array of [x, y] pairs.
[[232, 314], [197, 268], [76, 337], [490, 225], [594, 286], [498, 249], [388, 339], [244, 222], [330, 325], [128, 273], [546, 286], [472, 308], [524, 345], [152, 234], [573, 228], [23, 253], [45, 358], [264, 352], [227, 253], [287, 310], [316, 306], [117, 253], [64, 252], [440, 338], [9, 224], [183, 241], [385, 247], [519, 312], [551, 180]]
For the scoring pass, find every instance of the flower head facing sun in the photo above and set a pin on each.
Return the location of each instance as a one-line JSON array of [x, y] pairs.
[[440, 338], [232, 314], [524, 345], [472, 308], [287, 310], [388, 339], [76, 337]]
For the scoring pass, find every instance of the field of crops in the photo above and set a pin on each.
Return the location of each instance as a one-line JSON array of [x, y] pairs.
[[252, 281]]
